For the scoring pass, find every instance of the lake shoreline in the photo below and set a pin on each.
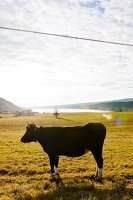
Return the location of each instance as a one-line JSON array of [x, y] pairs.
[[50, 110]]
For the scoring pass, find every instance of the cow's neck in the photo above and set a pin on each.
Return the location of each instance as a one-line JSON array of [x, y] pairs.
[[37, 134]]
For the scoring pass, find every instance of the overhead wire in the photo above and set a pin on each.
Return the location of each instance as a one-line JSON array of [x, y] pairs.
[[65, 36]]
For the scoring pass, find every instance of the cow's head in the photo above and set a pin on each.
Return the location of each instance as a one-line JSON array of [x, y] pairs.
[[31, 134]]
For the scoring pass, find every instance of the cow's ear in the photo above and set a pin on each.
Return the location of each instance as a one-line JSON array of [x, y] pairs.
[[27, 125], [34, 124]]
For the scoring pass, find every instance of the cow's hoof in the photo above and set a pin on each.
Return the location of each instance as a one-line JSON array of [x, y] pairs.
[[52, 174], [99, 180], [95, 178], [57, 171]]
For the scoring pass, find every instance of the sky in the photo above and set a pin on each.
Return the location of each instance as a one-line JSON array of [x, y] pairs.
[[38, 70]]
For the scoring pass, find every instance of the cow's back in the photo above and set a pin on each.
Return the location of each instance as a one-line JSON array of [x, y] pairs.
[[71, 141]]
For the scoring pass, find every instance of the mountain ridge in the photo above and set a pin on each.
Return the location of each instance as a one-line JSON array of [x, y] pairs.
[[8, 107]]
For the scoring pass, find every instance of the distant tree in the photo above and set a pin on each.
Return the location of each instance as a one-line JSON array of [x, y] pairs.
[[56, 113]]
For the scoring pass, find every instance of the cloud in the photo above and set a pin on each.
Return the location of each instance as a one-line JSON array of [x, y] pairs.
[[77, 70]]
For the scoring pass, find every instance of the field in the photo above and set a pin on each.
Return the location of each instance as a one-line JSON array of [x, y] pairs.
[[24, 168]]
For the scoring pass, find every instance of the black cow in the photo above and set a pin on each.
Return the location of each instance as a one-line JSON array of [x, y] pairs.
[[69, 141]]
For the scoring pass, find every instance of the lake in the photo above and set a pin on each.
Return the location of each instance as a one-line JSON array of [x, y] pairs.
[[52, 110]]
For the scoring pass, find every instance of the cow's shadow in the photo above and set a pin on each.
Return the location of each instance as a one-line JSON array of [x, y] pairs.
[[85, 190]]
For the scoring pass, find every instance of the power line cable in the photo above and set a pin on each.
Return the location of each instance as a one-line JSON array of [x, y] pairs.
[[66, 36]]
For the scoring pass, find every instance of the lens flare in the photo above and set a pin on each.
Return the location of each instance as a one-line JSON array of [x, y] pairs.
[[107, 116], [118, 121]]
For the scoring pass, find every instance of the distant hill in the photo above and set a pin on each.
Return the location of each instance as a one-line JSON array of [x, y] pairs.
[[8, 107], [114, 105]]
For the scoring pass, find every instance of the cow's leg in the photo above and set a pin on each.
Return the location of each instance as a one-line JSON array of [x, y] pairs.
[[98, 172], [56, 161], [99, 160], [52, 158]]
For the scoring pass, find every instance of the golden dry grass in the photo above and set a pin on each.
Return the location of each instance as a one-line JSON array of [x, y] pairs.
[[24, 168]]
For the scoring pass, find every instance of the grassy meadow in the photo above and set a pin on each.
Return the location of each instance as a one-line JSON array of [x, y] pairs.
[[24, 168]]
